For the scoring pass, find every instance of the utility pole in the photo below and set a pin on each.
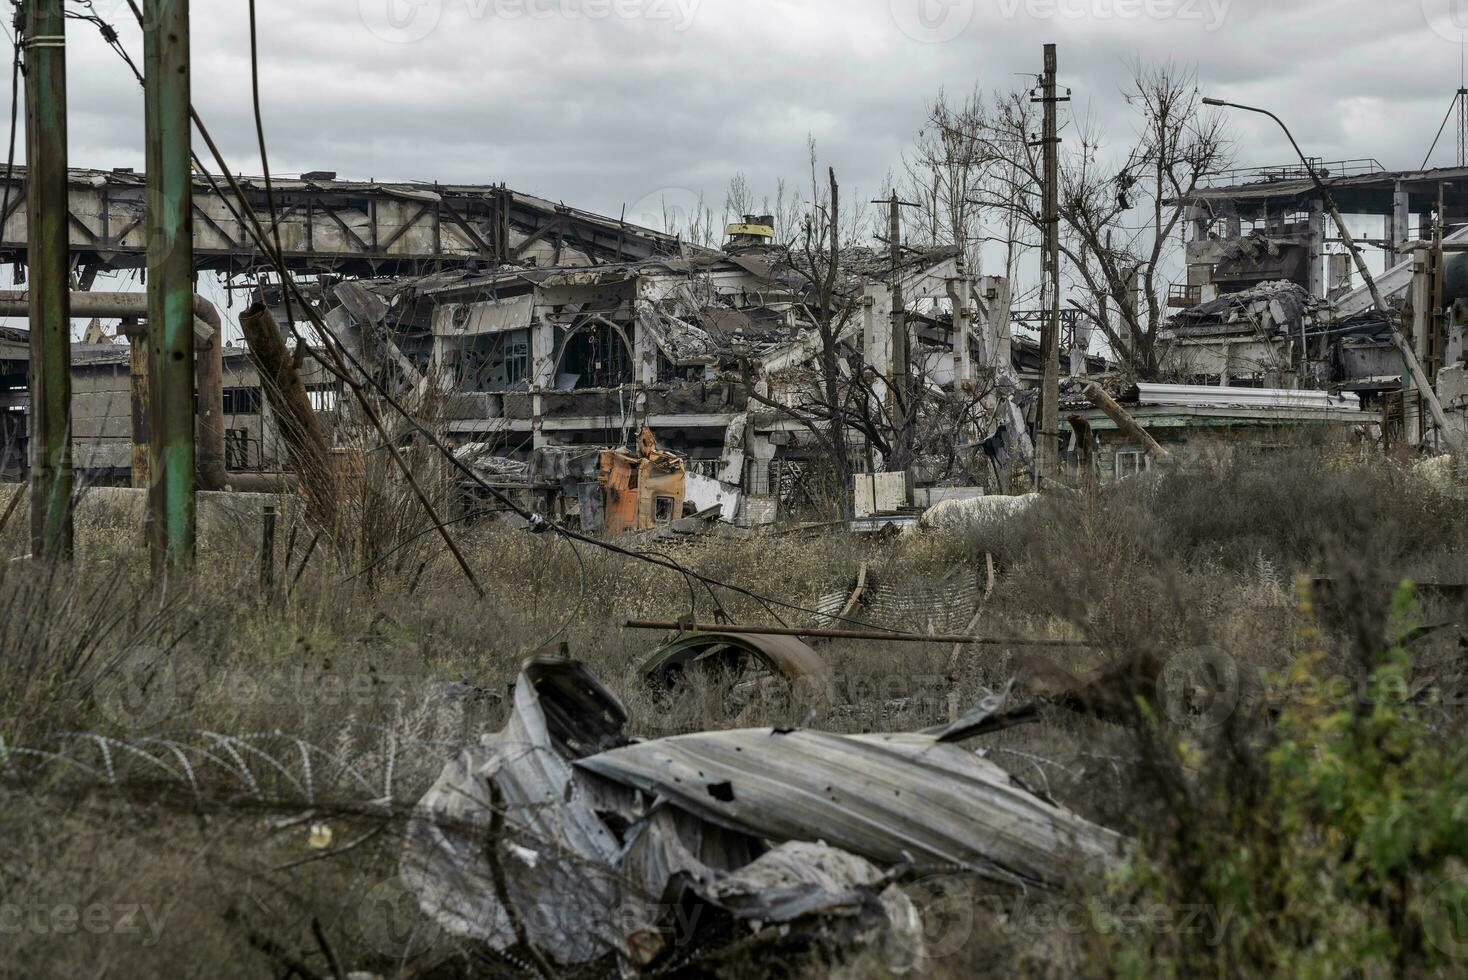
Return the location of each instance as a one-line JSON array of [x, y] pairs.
[[899, 313], [171, 513], [48, 256], [1047, 449], [905, 406]]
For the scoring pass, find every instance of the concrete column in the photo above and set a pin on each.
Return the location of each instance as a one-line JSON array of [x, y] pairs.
[[1420, 293], [1003, 329], [1198, 223], [961, 291], [645, 363], [1397, 228], [537, 419], [1317, 249], [542, 354], [868, 329], [877, 309]]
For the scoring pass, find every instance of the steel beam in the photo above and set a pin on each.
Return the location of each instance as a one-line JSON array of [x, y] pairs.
[[48, 257], [171, 513]]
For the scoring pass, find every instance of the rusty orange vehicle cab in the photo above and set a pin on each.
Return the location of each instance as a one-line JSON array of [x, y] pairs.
[[638, 492]]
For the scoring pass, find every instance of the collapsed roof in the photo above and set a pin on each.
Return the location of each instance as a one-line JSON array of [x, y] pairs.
[[698, 308]]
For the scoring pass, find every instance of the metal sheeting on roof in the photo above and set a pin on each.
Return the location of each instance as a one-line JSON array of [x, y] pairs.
[[1217, 396]]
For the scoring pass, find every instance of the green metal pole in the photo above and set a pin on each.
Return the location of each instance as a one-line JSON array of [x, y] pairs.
[[171, 521], [50, 271]]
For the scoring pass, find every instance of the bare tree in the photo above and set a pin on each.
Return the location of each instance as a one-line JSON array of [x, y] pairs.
[[836, 394], [945, 172], [1119, 212], [821, 400]]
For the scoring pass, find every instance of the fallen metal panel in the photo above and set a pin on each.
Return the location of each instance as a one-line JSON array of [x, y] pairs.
[[890, 798], [783, 655], [491, 316], [553, 857], [1216, 396], [512, 845]]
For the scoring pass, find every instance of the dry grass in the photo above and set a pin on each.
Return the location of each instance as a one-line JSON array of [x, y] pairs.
[[357, 666]]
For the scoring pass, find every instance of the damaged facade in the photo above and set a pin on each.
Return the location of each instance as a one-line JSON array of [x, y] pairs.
[[534, 360], [1272, 299]]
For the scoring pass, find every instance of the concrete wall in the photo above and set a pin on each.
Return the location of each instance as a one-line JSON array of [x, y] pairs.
[[102, 415], [219, 513]]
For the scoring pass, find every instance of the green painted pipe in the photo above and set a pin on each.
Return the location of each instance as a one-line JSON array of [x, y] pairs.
[[48, 256], [171, 513]]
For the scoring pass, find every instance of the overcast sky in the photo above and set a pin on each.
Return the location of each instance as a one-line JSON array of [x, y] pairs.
[[606, 103], [602, 103]]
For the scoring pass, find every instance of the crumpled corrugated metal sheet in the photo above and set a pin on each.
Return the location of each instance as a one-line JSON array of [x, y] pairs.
[[890, 798], [510, 818], [858, 905], [556, 856]]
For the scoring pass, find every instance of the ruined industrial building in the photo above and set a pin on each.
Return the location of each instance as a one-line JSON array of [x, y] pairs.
[[803, 491], [560, 331]]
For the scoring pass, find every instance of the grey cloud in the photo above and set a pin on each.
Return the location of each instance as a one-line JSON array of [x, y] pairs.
[[603, 112]]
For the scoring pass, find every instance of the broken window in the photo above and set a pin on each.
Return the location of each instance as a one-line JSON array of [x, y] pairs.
[[237, 449], [598, 358], [1132, 463], [323, 397], [663, 509], [242, 401], [517, 361], [494, 362]]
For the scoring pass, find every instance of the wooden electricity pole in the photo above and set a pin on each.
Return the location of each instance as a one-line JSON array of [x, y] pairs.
[[1047, 443], [901, 368], [899, 313], [171, 506], [48, 257]]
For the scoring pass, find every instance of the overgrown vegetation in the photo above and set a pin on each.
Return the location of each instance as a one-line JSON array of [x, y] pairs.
[[1306, 820]]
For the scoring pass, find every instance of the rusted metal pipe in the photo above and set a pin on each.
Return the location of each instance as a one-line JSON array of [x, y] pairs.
[[990, 641], [137, 373], [1097, 396], [209, 377], [172, 516], [299, 427], [86, 303]]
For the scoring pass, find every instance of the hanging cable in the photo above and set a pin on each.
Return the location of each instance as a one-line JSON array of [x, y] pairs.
[[14, 114], [345, 358]]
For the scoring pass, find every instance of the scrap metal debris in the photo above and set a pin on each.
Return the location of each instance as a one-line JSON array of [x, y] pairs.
[[733, 654], [560, 839]]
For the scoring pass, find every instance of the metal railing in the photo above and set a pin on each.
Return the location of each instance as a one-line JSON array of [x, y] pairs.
[[1327, 169]]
